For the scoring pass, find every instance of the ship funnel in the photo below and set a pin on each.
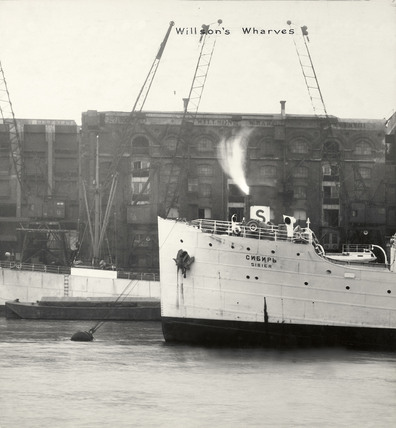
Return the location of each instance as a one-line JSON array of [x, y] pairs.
[[289, 222]]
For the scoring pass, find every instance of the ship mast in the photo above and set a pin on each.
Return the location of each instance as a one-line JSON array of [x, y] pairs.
[[96, 248]]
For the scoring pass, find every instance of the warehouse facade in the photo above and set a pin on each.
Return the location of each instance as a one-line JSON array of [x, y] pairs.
[[46, 192]]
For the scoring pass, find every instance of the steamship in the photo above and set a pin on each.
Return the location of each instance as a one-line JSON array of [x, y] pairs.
[[226, 283]]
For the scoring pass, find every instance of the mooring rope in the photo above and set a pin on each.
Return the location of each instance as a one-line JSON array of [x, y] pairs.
[[123, 295]]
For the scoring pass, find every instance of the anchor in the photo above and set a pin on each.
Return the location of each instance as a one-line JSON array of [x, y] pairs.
[[183, 261]]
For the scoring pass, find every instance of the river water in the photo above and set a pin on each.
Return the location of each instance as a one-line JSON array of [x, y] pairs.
[[129, 377]]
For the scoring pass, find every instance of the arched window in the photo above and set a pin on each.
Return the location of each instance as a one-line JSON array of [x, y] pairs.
[[140, 145], [362, 148], [170, 143], [204, 144], [267, 147], [331, 147]]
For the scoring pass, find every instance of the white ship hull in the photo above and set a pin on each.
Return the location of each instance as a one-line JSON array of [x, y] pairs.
[[242, 290]]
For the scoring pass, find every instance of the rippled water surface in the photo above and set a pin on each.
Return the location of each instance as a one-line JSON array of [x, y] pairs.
[[128, 377]]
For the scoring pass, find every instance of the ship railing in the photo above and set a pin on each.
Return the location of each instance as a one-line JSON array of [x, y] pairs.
[[356, 248], [264, 231], [35, 267], [141, 276], [38, 267]]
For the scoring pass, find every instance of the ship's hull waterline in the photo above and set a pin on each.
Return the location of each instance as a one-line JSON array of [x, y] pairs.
[[240, 290], [274, 335]]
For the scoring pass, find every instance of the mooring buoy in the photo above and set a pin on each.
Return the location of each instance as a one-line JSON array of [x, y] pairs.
[[82, 336], [87, 336]]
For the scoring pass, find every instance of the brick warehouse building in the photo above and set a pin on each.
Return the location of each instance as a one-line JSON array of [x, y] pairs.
[[344, 181], [46, 196]]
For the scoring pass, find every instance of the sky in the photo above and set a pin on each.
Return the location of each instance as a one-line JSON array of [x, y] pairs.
[[64, 57]]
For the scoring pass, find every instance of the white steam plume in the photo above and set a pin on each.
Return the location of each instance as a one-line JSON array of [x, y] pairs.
[[231, 153]]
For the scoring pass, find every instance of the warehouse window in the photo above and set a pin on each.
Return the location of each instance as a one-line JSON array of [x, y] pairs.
[[204, 213], [300, 192], [267, 147], [170, 169], [365, 173], [204, 144], [171, 143], [331, 217], [300, 172], [140, 145], [193, 184], [139, 165], [206, 170], [205, 190], [331, 147], [363, 148], [300, 215], [331, 192], [268, 171], [299, 146]]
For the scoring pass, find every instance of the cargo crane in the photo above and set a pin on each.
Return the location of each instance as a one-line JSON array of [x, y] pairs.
[[331, 155], [8, 119], [332, 160], [330, 150], [191, 106], [97, 227], [133, 118]]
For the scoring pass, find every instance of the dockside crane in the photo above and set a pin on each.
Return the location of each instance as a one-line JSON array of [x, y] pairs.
[[15, 146], [98, 227], [133, 118], [332, 160], [332, 156], [191, 105], [207, 42], [330, 151]]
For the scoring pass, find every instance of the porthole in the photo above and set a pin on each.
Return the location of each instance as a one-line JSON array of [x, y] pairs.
[[232, 246], [347, 287], [256, 277], [181, 240], [247, 277], [389, 291], [298, 254], [210, 244], [305, 283], [248, 248], [272, 251], [328, 271]]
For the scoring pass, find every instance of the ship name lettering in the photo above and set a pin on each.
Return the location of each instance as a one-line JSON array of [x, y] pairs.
[[264, 259], [263, 265]]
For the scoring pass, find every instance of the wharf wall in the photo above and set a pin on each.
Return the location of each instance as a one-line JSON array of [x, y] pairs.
[[30, 286]]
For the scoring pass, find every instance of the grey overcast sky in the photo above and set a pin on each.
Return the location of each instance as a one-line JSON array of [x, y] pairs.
[[63, 57]]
